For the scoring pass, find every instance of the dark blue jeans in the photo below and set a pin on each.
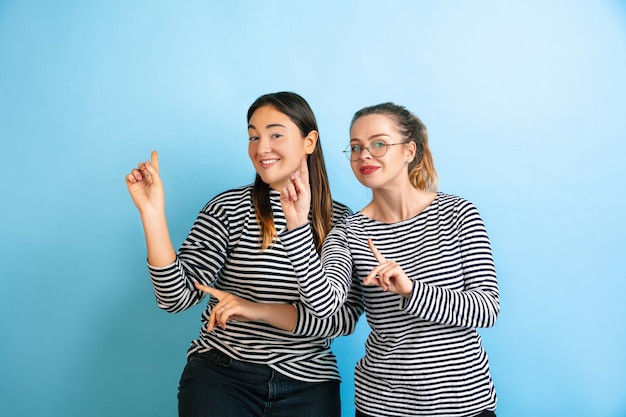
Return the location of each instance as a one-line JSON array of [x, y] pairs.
[[215, 385]]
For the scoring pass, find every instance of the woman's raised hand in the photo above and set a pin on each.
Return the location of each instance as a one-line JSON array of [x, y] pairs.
[[145, 186], [388, 275], [295, 197]]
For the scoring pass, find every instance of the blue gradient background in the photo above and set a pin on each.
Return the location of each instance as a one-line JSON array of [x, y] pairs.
[[525, 102]]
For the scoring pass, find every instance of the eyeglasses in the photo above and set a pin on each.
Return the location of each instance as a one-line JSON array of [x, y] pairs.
[[376, 149]]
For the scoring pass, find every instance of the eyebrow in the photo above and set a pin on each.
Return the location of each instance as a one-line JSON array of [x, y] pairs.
[[372, 137], [251, 126]]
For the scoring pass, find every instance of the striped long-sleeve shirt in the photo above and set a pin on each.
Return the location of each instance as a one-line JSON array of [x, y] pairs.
[[223, 249], [423, 355]]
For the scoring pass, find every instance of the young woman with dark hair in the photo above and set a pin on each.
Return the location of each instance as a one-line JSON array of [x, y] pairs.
[[260, 352]]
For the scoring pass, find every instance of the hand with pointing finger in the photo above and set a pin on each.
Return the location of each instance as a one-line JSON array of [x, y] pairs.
[[388, 275], [145, 186], [295, 197], [230, 307]]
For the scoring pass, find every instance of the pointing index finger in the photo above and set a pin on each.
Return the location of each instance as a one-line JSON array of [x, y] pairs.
[[154, 160], [379, 257], [211, 291]]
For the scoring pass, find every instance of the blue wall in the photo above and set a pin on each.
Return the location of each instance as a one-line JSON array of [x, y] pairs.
[[525, 104]]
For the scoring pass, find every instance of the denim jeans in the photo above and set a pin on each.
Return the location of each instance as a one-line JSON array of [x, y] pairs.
[[215, 385]]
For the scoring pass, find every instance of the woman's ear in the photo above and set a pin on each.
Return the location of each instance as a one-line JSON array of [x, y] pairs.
[[310, 141], [410, 151]]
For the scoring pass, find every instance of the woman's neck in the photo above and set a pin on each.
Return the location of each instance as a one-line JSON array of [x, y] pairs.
[[392, 206]]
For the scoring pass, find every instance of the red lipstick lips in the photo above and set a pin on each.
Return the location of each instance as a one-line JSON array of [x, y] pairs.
[[368, 169]]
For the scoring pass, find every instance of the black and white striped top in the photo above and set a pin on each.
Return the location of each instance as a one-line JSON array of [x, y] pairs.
[[223, 248], [423, 355]]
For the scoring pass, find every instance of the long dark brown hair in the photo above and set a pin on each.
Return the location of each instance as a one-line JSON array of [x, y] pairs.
[[300, 113]]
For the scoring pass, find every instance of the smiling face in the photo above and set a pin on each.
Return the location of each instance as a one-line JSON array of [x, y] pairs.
[[276, 146], [376, 131]]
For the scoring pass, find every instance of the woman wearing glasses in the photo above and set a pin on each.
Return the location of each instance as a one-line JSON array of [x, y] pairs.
[[427, 272], [259, 353]]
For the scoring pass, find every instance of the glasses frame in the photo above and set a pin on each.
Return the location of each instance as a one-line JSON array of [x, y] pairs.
[[349, 153]]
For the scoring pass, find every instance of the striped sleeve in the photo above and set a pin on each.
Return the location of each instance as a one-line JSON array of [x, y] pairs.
[[475, 305], [320, 291], [341, 323], [199, 259], [173, 292]]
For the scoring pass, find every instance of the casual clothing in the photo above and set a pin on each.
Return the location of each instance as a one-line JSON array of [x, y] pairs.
[[486, 413], [423, 356], [223, 249], [248, 389]]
